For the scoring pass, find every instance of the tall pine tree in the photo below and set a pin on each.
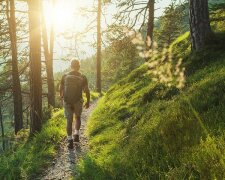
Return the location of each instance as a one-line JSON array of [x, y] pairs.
[[151, 16], [200, 28], [99, 41], [48, 59], [35, 65], [17, 96]]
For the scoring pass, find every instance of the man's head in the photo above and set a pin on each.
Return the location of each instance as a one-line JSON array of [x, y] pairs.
[[75, 65]]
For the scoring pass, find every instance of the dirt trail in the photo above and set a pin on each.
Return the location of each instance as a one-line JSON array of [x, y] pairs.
[[63, 165]]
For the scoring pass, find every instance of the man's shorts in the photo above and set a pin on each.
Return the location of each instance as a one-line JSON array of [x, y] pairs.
[[76, 109]]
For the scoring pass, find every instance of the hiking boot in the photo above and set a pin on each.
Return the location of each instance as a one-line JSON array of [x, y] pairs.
[[76, 138], [70, 144]]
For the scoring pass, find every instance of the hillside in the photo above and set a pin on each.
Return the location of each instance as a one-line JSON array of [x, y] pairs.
[[144, 130]]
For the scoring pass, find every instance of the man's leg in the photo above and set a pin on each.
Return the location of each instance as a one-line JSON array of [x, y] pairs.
[[76, 135], [69, 116], [69, 127], [77, 125], [77, 110]]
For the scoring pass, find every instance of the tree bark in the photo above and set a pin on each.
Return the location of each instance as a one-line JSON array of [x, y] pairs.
[[49, 60], [99, 39], [17, 95], [151, 16], [35, 66], [2, 128], [50, 69], [200, 28]]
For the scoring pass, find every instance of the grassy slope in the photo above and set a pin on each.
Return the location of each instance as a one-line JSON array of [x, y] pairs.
[[144, 130], [33, 156]]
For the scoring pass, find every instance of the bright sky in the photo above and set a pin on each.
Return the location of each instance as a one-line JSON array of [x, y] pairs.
[[69, 17], [68, 13]]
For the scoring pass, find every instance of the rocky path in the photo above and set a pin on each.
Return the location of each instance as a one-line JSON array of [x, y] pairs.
[[63, 165]]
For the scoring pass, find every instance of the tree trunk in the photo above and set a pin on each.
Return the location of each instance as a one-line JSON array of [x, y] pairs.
[[49, 61], [50, 73], [151, 16], [200, 28], [99, 39], [35, 66], [17, 96], [2, 128]]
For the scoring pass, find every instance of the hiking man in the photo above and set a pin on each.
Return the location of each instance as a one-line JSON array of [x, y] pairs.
[[71, 87]]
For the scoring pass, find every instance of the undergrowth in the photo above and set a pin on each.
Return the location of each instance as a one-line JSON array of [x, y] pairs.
[[31, 156]]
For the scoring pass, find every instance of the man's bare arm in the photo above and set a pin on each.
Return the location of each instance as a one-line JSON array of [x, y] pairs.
[[61, 91], [61, 88], [87, 92]]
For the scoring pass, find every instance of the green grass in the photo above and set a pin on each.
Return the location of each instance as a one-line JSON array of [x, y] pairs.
[[31, 157], [94, 96], [144, 130]]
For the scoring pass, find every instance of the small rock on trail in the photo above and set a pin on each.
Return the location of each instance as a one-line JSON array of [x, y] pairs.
[[63, 165]]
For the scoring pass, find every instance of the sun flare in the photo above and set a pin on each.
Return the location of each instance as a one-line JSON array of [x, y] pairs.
[[61, 15]]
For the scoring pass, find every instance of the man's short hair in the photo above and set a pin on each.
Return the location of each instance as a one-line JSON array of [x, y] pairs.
[[75, 64]]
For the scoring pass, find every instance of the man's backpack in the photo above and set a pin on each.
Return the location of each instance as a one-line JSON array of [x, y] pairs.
[[73, 88]]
